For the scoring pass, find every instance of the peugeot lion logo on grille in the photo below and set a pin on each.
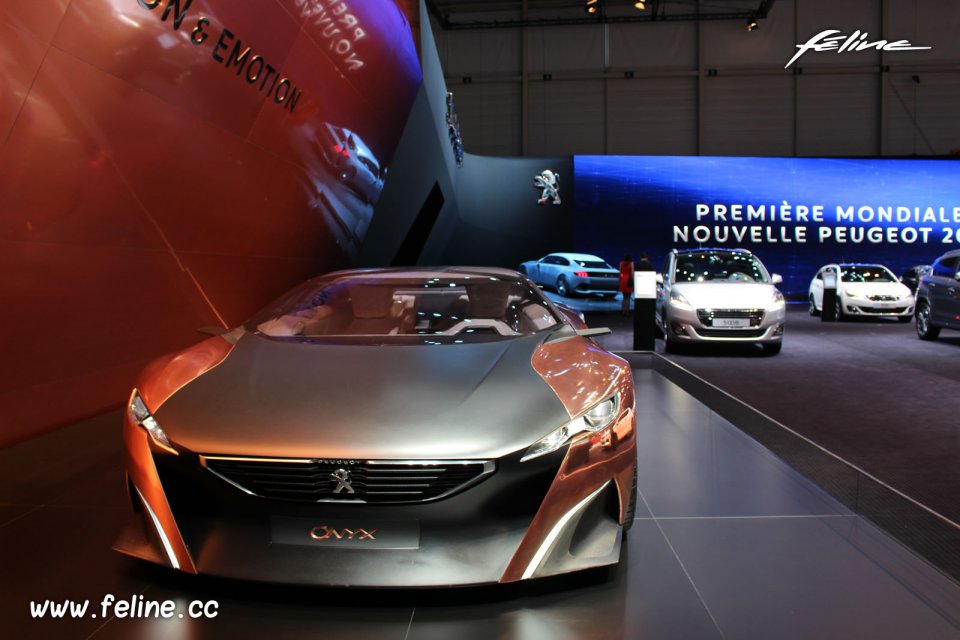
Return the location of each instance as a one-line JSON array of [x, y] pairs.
[[343, 480]]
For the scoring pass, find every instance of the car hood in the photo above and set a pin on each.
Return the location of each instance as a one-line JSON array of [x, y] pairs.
[[274, 398], [727, 295], [864, 289]]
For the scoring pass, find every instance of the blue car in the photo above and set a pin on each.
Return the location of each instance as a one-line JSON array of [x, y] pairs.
[[573, 273]]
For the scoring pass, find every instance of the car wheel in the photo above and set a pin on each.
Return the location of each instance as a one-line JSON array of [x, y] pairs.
[[925, 328], [562, 287], [772, 348], [670, 346], [838, 309], [813, 307], [631, 503]]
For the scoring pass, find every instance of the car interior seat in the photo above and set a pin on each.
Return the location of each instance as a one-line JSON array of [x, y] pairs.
[[372, 307], [488, 300]]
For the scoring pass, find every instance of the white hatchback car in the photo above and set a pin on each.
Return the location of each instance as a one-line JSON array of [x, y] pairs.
[[863, 290], [719, 295]]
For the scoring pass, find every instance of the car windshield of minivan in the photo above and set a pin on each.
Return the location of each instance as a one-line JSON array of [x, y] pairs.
[[719, 267]]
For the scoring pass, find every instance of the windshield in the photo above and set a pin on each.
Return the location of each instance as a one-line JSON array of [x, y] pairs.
[[725, 266], [865, 273], [407, 307]]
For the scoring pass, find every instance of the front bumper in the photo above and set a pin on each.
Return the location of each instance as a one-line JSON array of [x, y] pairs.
[[558, 513], [893, 309], [701, 325]]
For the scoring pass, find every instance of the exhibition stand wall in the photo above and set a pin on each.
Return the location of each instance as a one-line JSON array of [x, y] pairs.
[[171, 165]]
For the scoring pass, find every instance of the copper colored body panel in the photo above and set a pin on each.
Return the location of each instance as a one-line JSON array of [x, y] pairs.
[[166, 375], [589, 463], [160, 380], [143, 474], [581, 374]]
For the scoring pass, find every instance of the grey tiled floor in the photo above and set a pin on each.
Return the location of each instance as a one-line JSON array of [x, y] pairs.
[[728, 543]]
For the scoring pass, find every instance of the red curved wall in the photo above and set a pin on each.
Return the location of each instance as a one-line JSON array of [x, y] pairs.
[[153, 179]]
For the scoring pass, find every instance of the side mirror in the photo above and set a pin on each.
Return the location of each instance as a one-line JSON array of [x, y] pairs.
[[776, 278], [598, 331], [660, 278]]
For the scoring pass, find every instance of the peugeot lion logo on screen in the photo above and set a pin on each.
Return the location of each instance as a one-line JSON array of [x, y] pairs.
[[343, 479], [549, 183]]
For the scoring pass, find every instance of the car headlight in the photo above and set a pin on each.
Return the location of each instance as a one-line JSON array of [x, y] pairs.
[[777, 300], [598, 417], [677, 300], [141, 416], [850, 294]]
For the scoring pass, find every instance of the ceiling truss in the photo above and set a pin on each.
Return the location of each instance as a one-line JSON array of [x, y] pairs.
[[454, 15]]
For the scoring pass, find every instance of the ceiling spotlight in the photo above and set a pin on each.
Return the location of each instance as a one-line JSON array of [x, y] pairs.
[[752, 24], [640, 5], [590, 6]]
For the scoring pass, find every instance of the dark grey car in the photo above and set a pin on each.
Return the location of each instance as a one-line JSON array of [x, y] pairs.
[[911, 277], [938, 297]]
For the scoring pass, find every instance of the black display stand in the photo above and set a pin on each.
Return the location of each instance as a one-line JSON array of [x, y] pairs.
[[644, 324], [828, 311]]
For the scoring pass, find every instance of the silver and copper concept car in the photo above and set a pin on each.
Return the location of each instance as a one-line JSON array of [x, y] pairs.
[[386, 428]]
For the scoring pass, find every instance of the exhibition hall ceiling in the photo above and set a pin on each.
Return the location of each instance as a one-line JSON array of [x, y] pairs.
[[472, 14], [572, 84]]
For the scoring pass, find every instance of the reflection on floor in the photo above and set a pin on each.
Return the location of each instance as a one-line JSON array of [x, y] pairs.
[[588, 304], [865, 389], [728, 543]]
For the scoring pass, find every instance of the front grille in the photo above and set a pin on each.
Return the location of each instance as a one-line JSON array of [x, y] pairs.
[[707, 316], [372, 481], [730, 333], [883, 298], [873, 310]]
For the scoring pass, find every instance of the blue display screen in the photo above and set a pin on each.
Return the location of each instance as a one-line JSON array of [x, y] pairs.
[[795, 214]]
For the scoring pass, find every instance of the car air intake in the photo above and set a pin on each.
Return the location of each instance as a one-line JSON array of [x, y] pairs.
[[715, 317], [357, 481], [730, 333]]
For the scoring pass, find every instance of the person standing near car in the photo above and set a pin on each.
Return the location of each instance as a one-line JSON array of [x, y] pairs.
[[626, 283]]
